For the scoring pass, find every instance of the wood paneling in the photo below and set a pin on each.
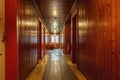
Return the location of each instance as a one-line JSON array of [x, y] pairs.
[[28, 26], [43, 40], [67, 38], [22, 27], [98, 30], [117, 25]]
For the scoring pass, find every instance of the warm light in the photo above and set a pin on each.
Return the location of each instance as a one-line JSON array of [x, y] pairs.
[[82, 32], [54, 31], [55, 12], [82, 24], [82, 12], [85, 24], [28, 23]]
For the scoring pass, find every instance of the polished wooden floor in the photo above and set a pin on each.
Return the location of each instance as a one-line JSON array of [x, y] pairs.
[[56, 66]]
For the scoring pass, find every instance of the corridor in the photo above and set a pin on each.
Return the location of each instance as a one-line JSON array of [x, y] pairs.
[[56, 66], [60, 40]]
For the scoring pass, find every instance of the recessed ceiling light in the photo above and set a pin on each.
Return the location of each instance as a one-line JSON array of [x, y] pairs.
[[54, 12]]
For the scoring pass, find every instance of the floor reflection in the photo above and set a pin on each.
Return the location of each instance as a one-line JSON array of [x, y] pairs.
[[56, 68]]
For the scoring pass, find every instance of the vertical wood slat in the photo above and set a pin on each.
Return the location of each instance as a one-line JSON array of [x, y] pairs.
[[28, 26], [117, 56], [67, 38], [98, 27]]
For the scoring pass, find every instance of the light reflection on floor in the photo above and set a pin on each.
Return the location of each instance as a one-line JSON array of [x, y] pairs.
[[55, 55], [56, 68]]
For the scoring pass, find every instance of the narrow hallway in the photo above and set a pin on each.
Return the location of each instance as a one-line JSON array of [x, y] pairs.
[[56, 68], [33, 32]]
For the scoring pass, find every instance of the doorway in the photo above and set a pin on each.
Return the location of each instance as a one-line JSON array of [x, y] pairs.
[[2, 44], [73, 40]]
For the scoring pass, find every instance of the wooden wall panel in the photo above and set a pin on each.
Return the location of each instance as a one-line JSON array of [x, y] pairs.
[[117, 55], [28, 26], [43, 41], [98, 39], [67, 38]]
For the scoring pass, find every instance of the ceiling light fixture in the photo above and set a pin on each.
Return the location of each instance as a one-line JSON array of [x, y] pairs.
[[54, 11], [55, 24]]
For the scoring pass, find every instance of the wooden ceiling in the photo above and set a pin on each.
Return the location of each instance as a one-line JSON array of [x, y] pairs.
[[54, 11]]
